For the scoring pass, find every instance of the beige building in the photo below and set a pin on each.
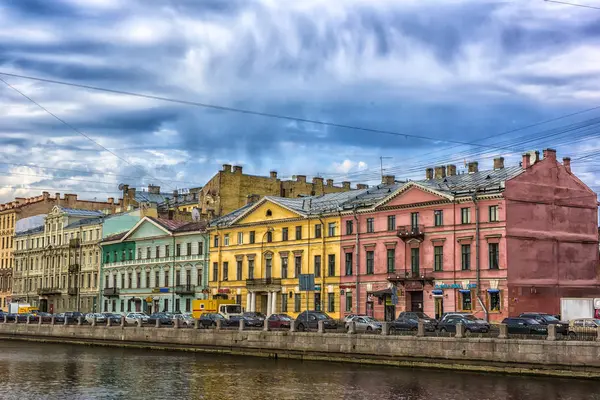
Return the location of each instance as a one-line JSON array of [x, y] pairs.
[[57, 262]]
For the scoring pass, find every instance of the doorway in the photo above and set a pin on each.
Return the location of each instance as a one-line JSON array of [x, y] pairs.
[[416, 301], [439, 307], [369, 308], [44, 305], [264, 299]]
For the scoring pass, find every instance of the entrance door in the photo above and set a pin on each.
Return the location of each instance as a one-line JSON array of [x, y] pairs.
[[369, 310], [439, 307], [263, 303], [44, 305], [389, 312], [416, 301]]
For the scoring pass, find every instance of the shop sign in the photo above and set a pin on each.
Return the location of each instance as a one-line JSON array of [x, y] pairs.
[[347, 286], [413, 285], [454, 286], [223, 291]]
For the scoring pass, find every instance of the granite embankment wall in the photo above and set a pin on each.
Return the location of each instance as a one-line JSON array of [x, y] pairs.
[[540, 357]]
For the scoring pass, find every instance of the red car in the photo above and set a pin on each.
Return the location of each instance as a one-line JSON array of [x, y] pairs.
[[279, 321]]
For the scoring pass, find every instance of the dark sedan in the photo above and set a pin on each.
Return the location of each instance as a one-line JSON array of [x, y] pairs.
[[419, 315], [310, 320], [208, 320], [470, 323], [279, 321], [234, 321], [163, 318], [115, 319], [525, 326], [547, 319], [406, 323]]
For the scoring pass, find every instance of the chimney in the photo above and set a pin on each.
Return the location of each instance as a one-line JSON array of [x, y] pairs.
[[362, 186], [329, 182], [273, 174], [111, 200], [57, 196], [388, 180], [440, 172], [226, 167], [301, 178], [175, 194], [550, 153], [46, 195], [237, 169], [473, 167], [537, 157], [252, 198], [71, 199], [451, 169], [567, 163], [153, 189], [346, 185], [525, 163], [498, 162], [429, 173], [317, 181]]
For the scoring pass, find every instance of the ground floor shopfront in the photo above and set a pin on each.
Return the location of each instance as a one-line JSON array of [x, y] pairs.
[[88, 303], [151, 302]]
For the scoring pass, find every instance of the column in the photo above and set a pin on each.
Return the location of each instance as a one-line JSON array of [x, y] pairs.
[[269, 302], [274, 304], [253, 302], [248, 300]]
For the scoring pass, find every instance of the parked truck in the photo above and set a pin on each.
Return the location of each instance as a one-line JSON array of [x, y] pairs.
[[574, 308], [21, 308], [225, 307]]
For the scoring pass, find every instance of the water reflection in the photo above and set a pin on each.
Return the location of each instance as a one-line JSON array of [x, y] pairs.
[[37, 371]]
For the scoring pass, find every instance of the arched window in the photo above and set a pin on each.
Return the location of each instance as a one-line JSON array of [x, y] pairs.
[[269, 213]]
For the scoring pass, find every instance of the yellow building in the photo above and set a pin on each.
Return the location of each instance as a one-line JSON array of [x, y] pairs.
[[258, 252]]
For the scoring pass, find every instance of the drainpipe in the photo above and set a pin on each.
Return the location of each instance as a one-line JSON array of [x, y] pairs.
[[173, 275], [356, 261], [324, 260], [477, 263]]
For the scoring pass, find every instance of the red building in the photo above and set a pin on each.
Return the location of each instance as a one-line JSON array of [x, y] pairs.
[[493, 242]]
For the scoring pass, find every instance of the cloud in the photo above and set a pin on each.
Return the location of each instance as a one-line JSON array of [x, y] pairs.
[[453, 70]]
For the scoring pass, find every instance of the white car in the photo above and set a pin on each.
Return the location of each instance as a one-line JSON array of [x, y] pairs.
[[100, 318], [132, 317], [184, 319]]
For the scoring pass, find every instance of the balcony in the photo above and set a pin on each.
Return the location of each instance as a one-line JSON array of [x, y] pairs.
[[417, 275], [48, 291], [72, 291], [74, 243], [408, 232], [263, 284], [185, 289], [73, 268], [160, 260], [110, 291]]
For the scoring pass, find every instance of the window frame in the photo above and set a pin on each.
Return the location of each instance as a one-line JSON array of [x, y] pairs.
[[465, 257], [438, 258], [370, 262]]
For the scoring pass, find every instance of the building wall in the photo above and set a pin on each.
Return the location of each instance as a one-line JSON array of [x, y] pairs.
[[552, 237]]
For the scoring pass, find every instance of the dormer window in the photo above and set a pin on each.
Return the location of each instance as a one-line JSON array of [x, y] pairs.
[[269, 213]]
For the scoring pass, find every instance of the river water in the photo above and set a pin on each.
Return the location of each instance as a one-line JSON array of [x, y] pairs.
[[49, 371]]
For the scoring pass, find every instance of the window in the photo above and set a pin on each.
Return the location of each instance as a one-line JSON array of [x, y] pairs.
[[156, 279], [216, 241], [167, 278], [298, 233], [493, 213], [466, 300], [370, 225], [123, 281], [331, 229], [284, 299], [494, 255], [107, 258], [284, 267], [252, 239], [415, 260], [239, 266], [200, 248], [225, 270], [414, 220], [240, 238], [494, 301], [284, 234], [138, 280], [465, 215], [269, 236], [438, 218], [317, 266], [348, 301], [226, 239], [331, 302], [167, 252], [188, 249], [318, 228], [349, 227], [465, 251], [148, 253], [177, 250], [298, 265], [348, 260], [391, 260], [215, 271], [370, 262], [297, 301], [331, 265], [251, 269], [188, 303], [139, 254], [147, 279], [438, 258], [157, 252], [130, 255], [317, 301], [166, 305], [269, 267], [391, 222]]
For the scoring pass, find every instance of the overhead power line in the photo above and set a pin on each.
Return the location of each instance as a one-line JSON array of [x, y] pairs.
[[572, 4]]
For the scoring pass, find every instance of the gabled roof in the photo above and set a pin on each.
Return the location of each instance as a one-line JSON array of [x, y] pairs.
[[115, 237], [412, 184], [75, 212], [37, 229], [85, 221], [169, 226], [481, 181]]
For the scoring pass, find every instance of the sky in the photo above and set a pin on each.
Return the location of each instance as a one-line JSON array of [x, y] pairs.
[[448, 81]]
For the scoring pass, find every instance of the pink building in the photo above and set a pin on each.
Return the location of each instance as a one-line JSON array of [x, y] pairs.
[[494, 242]]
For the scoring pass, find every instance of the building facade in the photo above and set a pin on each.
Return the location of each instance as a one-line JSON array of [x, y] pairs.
[[57, 263], [158, 265], [258, 253]]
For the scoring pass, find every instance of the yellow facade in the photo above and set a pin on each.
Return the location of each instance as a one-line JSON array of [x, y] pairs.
[[7, 232], [248, 257]]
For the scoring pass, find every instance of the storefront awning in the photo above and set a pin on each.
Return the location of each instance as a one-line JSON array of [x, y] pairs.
[[382, 293], [464, 291], [437, 292], [493, 290]]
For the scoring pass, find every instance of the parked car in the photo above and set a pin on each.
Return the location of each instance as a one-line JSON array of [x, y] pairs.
[[210, 319], [364, 323], [310, 320], [470, 323], [446, 315], [525, 326], [583, 327], [184, 319], [547, 319], [114, 318], [100, 318], [255, 315], [59, 318], [71, 316], [349, 317], [46, 317], [234, 321], [132, 317], [419, 315], [279, 321], [163, 318], [410, 323], [253, 319]]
